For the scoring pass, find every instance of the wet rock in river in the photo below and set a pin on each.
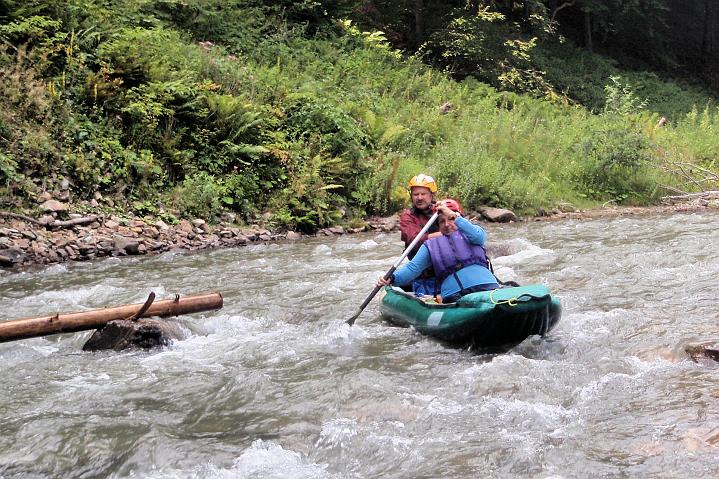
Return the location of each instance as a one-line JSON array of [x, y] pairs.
[[125, 334], [126, 245], [497, 249], [497, 215], [698, 352], [11, 256]]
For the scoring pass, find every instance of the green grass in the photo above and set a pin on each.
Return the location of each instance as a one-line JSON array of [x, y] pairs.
[[329, 128]]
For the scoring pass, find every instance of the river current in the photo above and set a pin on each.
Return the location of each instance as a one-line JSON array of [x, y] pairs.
[[276, 385]]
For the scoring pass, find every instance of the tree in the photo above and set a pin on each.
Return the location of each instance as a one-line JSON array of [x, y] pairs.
[[634, 25]]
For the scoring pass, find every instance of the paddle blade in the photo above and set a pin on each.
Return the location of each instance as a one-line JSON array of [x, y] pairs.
[[351, 321], [376, 289]]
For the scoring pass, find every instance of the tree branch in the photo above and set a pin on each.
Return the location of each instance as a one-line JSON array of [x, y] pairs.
[[564, 5], [692, 196]]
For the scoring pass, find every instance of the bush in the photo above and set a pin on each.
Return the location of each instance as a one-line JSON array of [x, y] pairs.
[[198, 196], [616, 166]]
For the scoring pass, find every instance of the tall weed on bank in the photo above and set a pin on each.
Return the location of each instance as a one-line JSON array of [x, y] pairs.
[[209, 105]]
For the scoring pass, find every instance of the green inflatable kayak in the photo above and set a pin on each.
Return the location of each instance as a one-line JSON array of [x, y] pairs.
[[499, 318]]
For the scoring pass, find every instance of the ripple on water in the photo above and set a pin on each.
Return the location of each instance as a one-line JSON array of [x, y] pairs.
[[277, 385], [322, 250], [262, 459]]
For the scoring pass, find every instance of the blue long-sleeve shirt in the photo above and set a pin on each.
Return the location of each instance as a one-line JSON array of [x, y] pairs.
[[472, 275]]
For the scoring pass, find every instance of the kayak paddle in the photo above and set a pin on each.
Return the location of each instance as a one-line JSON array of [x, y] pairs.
[[396, 264]]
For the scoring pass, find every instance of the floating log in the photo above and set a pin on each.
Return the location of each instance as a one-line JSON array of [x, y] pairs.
[[95, 319]]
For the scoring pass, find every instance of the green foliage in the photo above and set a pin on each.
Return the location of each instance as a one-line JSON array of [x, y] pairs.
[[491, 48], [35, 30], [9, 170], [335, 131], [582, 76], [198, 196], [690, 149], [617, 165], [382, 189], [275, 106], [308, 202], [634, 25], [621, 98]]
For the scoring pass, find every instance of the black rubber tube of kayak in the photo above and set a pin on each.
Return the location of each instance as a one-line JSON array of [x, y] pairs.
[[396, 264]]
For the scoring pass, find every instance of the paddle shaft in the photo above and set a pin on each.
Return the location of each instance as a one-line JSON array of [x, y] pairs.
[[394, 267]]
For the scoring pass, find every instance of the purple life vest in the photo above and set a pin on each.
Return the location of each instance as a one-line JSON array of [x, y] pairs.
[[451, 253]]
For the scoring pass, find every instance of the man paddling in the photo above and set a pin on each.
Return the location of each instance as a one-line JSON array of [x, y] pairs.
[[422, 189], [456, 254]]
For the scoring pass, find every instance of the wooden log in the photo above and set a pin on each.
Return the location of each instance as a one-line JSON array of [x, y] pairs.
[[82, 321]]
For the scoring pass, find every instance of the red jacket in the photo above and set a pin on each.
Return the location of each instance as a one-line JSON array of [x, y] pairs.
[[411, 223]]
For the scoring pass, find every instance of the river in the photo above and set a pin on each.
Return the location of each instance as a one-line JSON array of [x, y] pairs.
[[276, 385]]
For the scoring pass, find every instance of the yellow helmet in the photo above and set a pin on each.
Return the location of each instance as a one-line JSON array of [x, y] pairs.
[[425, 181]]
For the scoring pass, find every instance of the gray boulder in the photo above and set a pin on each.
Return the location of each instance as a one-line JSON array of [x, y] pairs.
[[497, 215], [126, 334]]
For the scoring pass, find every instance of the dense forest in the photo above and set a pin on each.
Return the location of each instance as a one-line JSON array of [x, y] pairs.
[[313, 113]]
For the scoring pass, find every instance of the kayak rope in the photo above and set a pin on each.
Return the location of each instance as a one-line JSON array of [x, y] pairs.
[[510, 301]]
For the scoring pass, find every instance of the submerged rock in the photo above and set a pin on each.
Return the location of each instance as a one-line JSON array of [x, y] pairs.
[[698, 352], [125, 334]]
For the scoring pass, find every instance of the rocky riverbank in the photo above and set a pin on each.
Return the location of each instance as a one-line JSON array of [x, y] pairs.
[[28, 241], [60, 235]]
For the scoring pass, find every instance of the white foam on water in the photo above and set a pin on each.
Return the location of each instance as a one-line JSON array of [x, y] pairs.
[[261, 246], [323, 265], [263, 459], [13, 354], [658, 365], [504, 273], [230, 324], [524, 415], [85, 381], [365, 245], [224, 336], [521, 250], [341, 333], [322, 250], [197, 353], [53, 270], [636, 373], [337, 432], [80, 298], [593, 390], [267, 459], [167, 256], [444, 407]]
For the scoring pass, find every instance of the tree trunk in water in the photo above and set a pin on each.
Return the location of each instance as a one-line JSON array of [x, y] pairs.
[[73, 322]]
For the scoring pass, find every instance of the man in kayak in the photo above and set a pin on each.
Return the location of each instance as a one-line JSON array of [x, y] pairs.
[[456, 253], [422, 189]]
